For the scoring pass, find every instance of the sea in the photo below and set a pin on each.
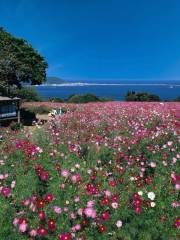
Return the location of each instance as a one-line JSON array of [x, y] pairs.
[[166, 90]]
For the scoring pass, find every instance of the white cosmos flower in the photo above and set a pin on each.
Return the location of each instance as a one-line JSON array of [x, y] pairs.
[[153, 204], [119, 224], [151, 195]]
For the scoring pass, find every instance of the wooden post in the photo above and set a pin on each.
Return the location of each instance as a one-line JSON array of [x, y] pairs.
[[18, 112]]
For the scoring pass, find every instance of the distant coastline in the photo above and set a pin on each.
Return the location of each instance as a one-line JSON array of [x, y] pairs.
[[79, 84]]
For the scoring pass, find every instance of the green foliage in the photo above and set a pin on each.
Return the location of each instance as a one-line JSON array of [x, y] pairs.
[[55, 99], [19, 63], [40, 109], [177, 99], [27, 94], [27, 116], [106, 99], [6, 229], [16, 126], [85, 98], [141, 97]]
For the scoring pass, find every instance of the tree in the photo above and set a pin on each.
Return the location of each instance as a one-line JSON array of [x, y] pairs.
[[177, 99], [19, 63], [141, 97], [83, 98], [28, 94]]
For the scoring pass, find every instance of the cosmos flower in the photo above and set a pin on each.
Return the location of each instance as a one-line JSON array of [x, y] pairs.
[[114, 205], [64, 173], [151, 195], [23, 227], [119, 224], [57, 209], [90, 212], [153, 204]]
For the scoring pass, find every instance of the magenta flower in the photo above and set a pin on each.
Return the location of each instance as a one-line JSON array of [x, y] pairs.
[[64, 173], [5, 191]]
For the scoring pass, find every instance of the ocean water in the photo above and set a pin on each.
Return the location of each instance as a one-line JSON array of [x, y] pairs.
[[113, 89]]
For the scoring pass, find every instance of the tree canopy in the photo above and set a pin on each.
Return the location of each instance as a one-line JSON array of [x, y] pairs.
[[141, 97], [19, 63], [85, 98]]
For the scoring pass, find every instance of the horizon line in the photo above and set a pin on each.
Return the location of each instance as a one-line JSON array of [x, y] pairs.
[[111, 79]]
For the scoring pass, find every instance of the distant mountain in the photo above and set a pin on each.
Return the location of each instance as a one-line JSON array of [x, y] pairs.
[[54, 80]]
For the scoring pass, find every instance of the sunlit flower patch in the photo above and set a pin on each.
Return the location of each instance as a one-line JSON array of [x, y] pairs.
[[99, 171]]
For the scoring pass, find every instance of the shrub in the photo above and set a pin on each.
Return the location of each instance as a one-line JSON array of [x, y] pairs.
[[82, 98], [16, 126], [40, 109], [27, 116], [141, 97], [55, 99], [85, 98], [106, 99]]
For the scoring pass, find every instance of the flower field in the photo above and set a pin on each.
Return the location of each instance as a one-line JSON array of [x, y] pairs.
[[99, 171]]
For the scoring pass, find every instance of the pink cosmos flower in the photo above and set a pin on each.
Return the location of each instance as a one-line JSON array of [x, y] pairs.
[[76, 198], [62, 185], [77, 227], [75, 178], [1, 176], [64, 173], [65, 209], [169, 143], [175, 204], [23, 227], [90, 212], [57, 209], [90, 204], [72, 216], [32, 198], [114, 205], [153, 164], [25, 202], [174, 160], [32, 207], [107, 193], [33, 233], [15, 221]]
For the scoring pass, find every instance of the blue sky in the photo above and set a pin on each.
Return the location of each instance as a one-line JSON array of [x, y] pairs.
[[100, 39]]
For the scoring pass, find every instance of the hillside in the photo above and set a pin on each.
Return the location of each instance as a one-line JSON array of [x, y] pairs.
[[54, 80]]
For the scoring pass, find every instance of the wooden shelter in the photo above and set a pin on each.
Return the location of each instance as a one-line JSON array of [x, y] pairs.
[[9, 109]]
